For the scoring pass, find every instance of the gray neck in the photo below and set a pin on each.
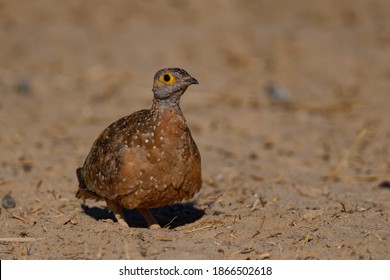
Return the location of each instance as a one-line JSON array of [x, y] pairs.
[[171, 100], [166, 104]]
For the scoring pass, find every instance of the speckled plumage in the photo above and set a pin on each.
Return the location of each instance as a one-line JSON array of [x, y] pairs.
[[147, 159]]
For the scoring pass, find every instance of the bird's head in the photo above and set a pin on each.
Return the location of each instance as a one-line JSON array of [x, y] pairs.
[[170, 83]]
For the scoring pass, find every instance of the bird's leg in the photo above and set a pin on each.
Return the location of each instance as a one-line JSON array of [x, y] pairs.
[[118, 212], [152, 223]]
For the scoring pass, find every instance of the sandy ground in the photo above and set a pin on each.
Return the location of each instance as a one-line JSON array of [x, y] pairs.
[[291, 118]]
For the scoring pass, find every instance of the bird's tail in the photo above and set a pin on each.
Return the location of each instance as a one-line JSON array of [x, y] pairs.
[[83, 192]]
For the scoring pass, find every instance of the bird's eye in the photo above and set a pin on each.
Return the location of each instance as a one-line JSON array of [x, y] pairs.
[[167, 78]]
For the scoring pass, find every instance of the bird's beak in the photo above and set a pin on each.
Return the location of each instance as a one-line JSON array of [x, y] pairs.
[[192, 81]]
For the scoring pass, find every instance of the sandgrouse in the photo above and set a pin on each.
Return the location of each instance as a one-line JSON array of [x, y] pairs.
[[147, 159]]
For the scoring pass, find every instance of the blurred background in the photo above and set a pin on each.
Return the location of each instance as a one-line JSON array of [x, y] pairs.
[[292, 94]]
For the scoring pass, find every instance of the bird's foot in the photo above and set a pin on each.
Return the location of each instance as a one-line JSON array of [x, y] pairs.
[[152, 223], [118, 212]]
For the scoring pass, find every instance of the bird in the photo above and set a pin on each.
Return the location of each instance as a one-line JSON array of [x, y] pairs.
[[147, 159]]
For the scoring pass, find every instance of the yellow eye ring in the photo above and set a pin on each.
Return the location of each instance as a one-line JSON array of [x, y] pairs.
[[167, 79]]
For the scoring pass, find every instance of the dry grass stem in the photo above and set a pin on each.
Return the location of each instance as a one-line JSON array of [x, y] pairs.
[[19, 239], [345, 159]]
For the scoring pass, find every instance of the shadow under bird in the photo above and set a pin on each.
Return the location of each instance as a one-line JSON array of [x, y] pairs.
[[147, 159]]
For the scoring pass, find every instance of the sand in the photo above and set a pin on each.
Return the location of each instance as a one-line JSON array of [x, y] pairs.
[[291, 117]]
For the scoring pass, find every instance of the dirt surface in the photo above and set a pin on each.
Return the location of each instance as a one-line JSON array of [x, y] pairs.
[[291, 118]]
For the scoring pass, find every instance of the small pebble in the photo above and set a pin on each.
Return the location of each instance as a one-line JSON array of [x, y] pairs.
[[278, 94], [8, 202], [253, 156], [23, 86], [385, 184]]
